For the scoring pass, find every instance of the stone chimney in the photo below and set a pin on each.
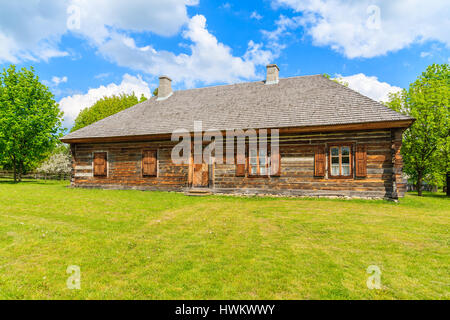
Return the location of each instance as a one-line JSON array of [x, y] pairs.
[[272, 74], [164, 88]]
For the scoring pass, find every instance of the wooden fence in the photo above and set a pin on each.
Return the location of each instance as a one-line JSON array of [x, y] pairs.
[[4, 174], [425, 187]]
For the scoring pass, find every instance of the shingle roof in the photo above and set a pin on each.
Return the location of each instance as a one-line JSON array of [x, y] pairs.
[[293, 102]]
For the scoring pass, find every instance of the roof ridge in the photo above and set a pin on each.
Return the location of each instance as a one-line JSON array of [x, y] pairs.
[[246, 82]]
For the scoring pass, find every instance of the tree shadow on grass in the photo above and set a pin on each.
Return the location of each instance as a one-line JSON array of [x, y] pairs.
[[427, 194]]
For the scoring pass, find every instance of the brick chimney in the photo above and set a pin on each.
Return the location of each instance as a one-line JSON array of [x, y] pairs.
[[272, 74], [164, 88]]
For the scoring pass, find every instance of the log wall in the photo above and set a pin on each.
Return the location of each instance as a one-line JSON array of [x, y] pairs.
[[383, 180], [125, 167]]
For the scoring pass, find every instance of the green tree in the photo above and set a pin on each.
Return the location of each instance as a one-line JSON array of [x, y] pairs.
[[30, 120], [105, 107], [337, 80], [142, 98], [427, 100]]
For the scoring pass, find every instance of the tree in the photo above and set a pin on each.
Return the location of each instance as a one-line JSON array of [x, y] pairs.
[[30, 121], [427, 100], [155, 92], [58, 163], [142, 98], [337, 80], [105, 107]]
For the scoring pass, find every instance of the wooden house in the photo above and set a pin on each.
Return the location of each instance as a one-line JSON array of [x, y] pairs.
[[332, 141]]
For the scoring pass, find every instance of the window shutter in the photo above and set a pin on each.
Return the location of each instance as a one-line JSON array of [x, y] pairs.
[[319, 162], [361, 161], [240, 165], [100, 164], [275, 164], [205, 174], [149, 163]]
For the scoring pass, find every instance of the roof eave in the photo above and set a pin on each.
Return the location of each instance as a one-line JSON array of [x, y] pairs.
[[303, 129]]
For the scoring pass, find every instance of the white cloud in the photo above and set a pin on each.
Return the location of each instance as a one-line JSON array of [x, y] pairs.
[[31, 30], [72, 105], [47, 52], [361, 29], [57, 80], [369, 86], [209, 60], [256, 15], [160, 17], [284, 24], [225, 6], [425, 54], [102, 76], [107, 24]]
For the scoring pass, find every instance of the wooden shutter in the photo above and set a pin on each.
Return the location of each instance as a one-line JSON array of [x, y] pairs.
[[240, 165], [100, 164], [319, 162], [149, 164], [275, 164], [205, 175], [361, 160]]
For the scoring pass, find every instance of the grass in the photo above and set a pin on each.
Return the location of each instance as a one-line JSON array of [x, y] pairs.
[[157, 245]]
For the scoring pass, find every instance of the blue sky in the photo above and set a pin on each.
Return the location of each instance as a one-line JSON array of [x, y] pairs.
[[84, 49]]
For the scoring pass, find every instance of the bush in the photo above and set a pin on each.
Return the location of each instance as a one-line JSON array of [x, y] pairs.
[[58, 163]]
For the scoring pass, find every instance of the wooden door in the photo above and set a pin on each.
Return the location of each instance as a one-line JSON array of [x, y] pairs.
[[200, 175], [100, 164]]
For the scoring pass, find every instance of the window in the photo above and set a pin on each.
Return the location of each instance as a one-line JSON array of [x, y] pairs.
[[253, 162], [340, 161], [149, 163], [263, 168], [259, 164], [100, 164]]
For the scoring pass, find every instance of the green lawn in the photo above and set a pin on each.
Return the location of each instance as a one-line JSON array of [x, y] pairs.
[[156, 245]]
